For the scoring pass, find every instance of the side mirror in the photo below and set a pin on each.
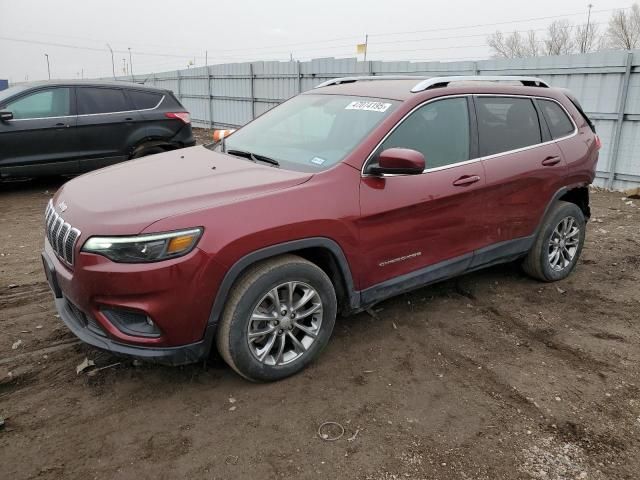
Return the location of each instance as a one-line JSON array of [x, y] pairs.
[[5, 116], [399, 161]]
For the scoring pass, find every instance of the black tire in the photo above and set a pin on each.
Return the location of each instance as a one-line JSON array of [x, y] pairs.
[[233, 336], [143, 152], [537, 263]]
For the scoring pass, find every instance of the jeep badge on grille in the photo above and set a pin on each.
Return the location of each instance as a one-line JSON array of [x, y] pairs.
[[62, 206]]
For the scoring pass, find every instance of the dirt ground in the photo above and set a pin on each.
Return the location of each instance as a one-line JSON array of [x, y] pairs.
[[490, 376]]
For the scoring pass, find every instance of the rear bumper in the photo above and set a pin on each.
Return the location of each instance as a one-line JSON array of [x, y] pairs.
[[89, 333]]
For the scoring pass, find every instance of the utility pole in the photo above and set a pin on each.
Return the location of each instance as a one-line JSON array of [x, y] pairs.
[[113, 64], [586, 35], [124, 66], [131, 66], [48, 67], [206, 58]]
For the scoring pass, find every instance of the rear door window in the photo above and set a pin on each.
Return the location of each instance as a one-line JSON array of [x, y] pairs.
[[48, 103], [101, 100], [558, 121], [506, 123], [144, 100], [439, 130]]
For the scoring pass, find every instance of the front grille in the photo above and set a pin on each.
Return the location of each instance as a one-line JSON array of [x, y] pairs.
[[62, 236]]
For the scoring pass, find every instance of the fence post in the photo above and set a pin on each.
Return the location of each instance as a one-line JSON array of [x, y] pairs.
[[179, 86], [299, 78], [476, 71], [622, 105], [209, 91], [253, 98]]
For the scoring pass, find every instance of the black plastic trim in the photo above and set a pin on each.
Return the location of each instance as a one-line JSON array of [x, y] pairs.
[[419, 278], [288, 247], [182, 355]]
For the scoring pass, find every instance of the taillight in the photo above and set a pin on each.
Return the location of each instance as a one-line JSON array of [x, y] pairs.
[[598, 143], [184, 116]]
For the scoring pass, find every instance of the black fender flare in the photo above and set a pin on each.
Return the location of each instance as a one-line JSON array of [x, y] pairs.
[[279, 249]]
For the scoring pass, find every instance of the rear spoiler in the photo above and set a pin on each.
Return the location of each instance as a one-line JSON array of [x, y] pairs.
[[576, 104]]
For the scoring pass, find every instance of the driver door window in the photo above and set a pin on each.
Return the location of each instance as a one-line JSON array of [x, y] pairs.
[[42, 104], [439, 130]]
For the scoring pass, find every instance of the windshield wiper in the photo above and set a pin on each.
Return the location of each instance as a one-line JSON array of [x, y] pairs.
[[254, 157]]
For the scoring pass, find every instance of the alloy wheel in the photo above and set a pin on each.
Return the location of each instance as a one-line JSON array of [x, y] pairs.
[[563, 244], [285, 323]]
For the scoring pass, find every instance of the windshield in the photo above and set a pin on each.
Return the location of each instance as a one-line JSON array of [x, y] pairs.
[[310, 132], [9, 92]]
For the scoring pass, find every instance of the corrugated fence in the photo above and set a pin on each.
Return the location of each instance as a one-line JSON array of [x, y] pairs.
[[606, 83]]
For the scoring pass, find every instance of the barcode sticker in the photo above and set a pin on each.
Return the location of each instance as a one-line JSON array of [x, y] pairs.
[[370, 106]]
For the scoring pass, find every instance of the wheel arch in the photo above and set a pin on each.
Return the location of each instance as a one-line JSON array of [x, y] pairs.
[[150, 143], [579, 196], [323, 252]]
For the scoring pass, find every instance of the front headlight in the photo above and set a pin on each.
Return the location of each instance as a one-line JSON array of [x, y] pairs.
[[144, 248]]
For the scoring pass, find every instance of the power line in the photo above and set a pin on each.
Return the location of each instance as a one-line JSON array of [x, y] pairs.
[[219, 52], [496, 23]]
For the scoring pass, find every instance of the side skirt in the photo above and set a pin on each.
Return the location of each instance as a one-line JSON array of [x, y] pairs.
[[492, 255]]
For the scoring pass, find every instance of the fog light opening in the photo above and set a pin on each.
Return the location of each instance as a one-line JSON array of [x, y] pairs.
[[132, 322]]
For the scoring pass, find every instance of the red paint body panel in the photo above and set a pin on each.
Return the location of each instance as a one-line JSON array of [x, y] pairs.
[[421, 215], [244, 207]]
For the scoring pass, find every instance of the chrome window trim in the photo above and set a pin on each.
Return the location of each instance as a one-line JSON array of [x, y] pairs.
[[472, 160], [90, 114]]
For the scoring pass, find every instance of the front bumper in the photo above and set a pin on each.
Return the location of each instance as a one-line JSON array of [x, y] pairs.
[[86, 330], [176, 294]]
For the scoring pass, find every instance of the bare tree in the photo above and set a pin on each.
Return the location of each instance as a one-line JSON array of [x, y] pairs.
[[586, 38], [514, 45], [532, 44], [624, 28], [559, 41]]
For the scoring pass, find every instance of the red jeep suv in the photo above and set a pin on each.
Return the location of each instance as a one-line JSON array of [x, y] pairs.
[[358, 190]]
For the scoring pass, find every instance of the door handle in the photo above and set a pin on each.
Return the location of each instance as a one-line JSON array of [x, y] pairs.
[[466, 180], [66, 125], [551, 161], [128, 119]]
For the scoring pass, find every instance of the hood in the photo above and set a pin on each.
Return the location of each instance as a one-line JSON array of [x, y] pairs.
[[126, 198]]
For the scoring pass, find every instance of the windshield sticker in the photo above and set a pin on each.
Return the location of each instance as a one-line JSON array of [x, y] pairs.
[[369, 106], [318, 160]]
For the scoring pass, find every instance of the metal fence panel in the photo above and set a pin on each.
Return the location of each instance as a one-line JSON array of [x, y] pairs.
[[606, 83]]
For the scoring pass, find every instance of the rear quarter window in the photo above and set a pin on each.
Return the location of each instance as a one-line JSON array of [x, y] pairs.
[[559, 123], [144, 100], [506, 123], [101, 100]]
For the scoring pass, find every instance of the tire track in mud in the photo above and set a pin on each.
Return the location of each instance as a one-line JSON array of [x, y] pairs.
[[545, 336], [24, 295]]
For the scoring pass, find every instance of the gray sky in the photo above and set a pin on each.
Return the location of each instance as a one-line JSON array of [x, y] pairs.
[[165, 35]]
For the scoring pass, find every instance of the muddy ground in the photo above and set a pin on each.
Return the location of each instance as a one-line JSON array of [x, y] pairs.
[[490, 376]]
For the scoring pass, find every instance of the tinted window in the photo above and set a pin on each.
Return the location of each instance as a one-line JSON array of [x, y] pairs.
[[144, 100], [559, 124], [101, 100], [42, 104], [439, 130], [506, 123]]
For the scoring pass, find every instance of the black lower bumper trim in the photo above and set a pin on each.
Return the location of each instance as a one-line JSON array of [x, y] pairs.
[[173, 356]]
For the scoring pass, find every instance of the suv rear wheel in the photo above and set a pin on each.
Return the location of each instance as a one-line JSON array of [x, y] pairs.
[[558, 245], [278, 318]]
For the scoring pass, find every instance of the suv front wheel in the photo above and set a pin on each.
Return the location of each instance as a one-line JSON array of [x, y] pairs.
[[278, 318], [558, 245]]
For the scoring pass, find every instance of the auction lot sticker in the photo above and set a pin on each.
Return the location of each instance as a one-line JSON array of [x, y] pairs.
[[370, 106]]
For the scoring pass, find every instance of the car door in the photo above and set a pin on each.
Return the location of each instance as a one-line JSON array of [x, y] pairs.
[[106, 120], [524, 169], [40, 137], [419, 228]]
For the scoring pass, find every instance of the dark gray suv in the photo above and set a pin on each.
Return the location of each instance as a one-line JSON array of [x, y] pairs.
[[70, 127]]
